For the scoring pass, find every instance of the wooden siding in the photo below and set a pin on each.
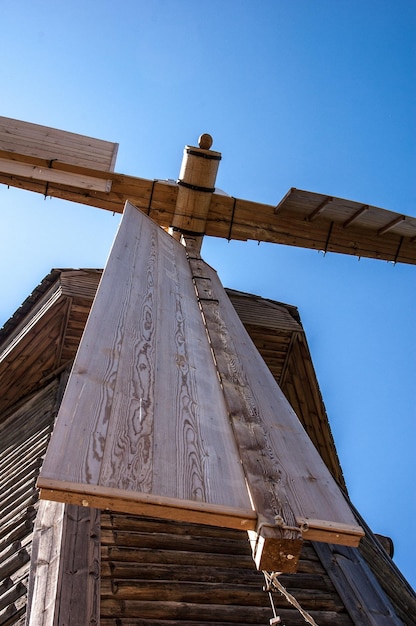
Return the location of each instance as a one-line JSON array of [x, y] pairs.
[[158, 572], [23, 441], [43, 336]]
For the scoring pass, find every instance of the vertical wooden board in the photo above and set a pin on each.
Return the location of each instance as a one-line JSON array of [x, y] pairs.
[[143, 413], [278, 456], [193, 400]]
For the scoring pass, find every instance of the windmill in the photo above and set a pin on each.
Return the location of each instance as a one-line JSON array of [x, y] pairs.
[[182, 345]]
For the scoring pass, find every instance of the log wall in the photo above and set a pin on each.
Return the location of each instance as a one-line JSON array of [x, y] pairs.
[[23, 440]]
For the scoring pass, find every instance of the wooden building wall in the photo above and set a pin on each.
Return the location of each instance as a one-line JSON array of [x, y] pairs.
[[24, 435]]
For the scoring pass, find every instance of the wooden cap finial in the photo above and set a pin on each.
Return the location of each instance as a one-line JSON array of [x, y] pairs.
[[205, 141]]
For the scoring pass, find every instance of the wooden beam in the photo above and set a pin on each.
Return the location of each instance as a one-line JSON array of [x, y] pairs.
[[385, 229], [319, 209], [234, 218], [356, 215], [64, 577]]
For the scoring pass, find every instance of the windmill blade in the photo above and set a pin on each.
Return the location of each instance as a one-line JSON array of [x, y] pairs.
[[319, 222], [38, 152], [78, 168], [75, 167]]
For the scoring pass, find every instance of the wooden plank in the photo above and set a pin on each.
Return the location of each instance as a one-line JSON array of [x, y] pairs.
[[64, 576], [50, 143], [44, 574], [285, 474], [143, 426], [357, 586], [79, 594], [51, 175]]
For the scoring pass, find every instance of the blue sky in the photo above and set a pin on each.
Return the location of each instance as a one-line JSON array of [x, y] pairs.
[[316, 95]]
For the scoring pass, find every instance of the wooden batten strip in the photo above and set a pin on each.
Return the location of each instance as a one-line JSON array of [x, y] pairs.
[[319, 209], [391, 225], [51, 175], [356, 215], [127, 501]]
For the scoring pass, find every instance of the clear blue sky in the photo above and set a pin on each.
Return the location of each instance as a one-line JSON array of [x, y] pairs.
[[319, 95]]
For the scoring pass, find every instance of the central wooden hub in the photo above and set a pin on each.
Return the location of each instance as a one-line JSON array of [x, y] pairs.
[[196, 186]]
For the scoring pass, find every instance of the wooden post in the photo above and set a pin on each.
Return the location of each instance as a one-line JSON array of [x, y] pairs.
[[196, 186], [64, 581]]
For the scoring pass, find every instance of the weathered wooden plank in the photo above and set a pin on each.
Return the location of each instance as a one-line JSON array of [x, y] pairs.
[[286, 476], [357, 586], [64, 576], [51, 175], [288, 616], [79, 594], [208, 573], [129, 523], [143, 426], [182, 610], [151, 540], [175, 557], [44, 574]]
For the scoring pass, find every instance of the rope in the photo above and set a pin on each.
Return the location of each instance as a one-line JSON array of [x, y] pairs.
[[273, 582]]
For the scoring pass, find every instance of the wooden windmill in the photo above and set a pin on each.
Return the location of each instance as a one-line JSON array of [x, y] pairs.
[[170, 411]]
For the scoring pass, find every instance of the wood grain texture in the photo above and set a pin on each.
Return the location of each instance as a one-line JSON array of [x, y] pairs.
[[143, 414], [357, 586], [285, 473], [53, 144], [64, 585]]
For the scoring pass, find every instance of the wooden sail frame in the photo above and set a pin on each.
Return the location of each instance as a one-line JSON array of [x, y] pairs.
[[302, 218], [57, 157]]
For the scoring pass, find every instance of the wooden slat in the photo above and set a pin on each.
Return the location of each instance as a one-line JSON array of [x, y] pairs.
[[50, 175], [64, 576], [143, 425]]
